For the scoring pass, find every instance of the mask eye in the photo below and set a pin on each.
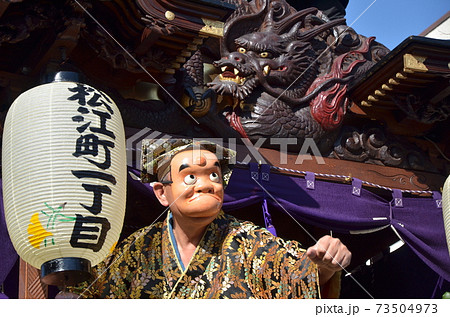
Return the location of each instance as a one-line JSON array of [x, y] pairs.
[[190, 179], [265, 55], [241, 50], [214, 177]]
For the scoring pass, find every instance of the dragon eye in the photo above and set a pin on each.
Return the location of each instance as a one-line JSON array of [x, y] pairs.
[[190, 179], [214, 177], [241, 50], [265, 55]]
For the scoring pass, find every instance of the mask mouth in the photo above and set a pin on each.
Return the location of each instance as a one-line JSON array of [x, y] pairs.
[[197, 196]]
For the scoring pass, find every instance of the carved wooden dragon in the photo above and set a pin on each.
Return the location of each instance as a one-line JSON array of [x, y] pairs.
[[288, 71], [281, 73]]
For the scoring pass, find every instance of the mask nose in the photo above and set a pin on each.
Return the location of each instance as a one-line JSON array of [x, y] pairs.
[[204, 186]]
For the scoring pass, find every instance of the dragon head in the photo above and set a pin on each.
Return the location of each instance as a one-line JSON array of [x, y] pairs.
[[261, 58], [269, 47], [288, 71]]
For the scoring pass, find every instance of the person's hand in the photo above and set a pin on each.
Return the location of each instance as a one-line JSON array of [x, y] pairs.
[[330, 255]]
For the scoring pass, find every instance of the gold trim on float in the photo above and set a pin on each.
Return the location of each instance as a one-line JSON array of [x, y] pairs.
[[169, 15], [212, 28], [372, 98], [392, 81], [414, 63], [201, 106], [400, 76], [366, 104]]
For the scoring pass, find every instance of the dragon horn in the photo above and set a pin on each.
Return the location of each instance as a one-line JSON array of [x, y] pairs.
[[287, 22], [306, 36], [292, 35], [239, 25]]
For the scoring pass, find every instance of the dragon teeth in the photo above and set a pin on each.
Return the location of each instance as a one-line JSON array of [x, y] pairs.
[[224, 68], [237, 80], [266, 70]]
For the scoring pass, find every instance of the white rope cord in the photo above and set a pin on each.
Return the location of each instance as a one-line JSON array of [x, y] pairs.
[[410, 191]]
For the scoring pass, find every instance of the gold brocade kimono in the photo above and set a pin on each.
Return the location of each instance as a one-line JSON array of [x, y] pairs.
[[234, 259]]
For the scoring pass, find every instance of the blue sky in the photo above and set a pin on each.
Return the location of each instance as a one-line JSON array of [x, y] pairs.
[[392, 21]]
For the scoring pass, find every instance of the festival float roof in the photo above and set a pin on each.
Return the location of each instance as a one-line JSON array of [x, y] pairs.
[[345, 192]]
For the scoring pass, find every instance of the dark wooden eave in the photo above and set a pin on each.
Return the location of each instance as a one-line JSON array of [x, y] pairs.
[[180, 27], [417, 63], [418, 67]]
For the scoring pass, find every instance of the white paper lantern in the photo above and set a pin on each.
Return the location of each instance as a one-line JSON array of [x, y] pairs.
[[446, 210], [64, 178]]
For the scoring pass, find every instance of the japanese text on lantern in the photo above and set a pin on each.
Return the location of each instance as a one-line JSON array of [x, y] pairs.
[[94, 144]]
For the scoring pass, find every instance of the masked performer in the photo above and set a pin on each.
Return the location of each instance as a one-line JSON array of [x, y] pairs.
[[198, 251]]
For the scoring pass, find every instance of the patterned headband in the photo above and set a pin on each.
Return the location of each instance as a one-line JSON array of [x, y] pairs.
[[158, 153]]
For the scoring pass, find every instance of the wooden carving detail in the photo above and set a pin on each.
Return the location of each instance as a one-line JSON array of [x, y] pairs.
[[421, 109], [281, 73], [192, 16], [373, 145], [278, 72], [414, 181], [107, 49], [35, 16], [30, 285]]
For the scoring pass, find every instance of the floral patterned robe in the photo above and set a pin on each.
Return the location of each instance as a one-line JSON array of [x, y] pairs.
[[234, 259]]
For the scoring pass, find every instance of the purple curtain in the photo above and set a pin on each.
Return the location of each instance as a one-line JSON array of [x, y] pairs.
[[346, 208], [8, 255], [421, 225]]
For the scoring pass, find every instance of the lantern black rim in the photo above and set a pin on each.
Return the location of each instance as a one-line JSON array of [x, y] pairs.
[[64, 272], [62, 76]]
